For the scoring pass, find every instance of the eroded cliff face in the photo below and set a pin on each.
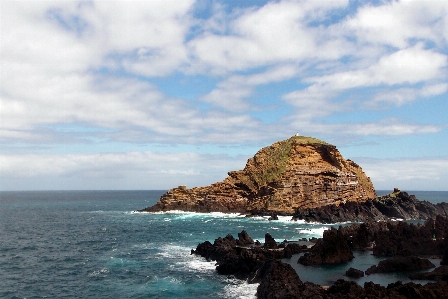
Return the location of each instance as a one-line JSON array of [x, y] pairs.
[[299, 172]]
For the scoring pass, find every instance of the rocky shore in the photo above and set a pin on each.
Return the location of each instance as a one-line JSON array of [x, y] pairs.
[[403, 243], [396, 205]]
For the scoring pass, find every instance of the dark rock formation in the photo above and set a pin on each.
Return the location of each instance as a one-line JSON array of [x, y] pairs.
[[395, 205], [235, 257], [331, 249], [345, 289], [300, 172], [354, 273], [439, 273], [399, 264], [404, 239], [269, 242], [277, 280], [244, 239]]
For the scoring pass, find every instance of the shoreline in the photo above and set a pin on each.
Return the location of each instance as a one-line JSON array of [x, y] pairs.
[[263, 263]]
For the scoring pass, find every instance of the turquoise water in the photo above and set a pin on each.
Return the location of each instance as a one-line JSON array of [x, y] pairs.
[[91, 244]]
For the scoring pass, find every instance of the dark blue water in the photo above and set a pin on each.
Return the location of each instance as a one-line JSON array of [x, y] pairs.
[[84, 244]]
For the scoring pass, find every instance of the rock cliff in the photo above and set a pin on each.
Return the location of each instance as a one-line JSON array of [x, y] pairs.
[[300, 172]]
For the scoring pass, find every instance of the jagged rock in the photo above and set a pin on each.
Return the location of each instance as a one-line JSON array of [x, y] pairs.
[[354, 273], [400, 263], [439, 273], [233, 257], [269, 242], [300, 172], [437, 290], [244, 239], [401, 238], [278, 280], [395, 205], [345, 289], [333, 248]]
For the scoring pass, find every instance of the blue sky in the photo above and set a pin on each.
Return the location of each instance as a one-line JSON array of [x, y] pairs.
[[156, 94]]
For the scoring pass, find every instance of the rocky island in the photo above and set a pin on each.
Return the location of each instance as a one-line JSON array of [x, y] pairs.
[[302, 177], [297, 173]]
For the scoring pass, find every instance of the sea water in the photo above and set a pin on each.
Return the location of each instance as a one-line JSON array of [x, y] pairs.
[[92, 244]]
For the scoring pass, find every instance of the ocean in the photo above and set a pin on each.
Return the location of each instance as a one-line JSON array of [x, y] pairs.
[[92, 244]]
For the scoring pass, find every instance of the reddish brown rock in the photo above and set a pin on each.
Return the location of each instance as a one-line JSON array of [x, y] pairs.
[[299, 172]]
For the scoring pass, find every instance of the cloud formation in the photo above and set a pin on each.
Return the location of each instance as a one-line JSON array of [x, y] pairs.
[[97, 73]]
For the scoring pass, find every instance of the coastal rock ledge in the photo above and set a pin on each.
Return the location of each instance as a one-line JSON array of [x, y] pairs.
[[297, 173]]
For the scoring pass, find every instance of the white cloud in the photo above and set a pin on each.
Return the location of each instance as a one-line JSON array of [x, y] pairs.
[[231, 93], [274, 33], [400, 23], [102, 67], [402, 96], [408, 66], [140, 170], [407, 174], [384, 127]]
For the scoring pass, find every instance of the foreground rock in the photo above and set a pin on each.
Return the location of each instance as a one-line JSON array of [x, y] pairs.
[[260, 263], [398, 204], [400, 264], [277, 280], [439, 273], [300, 172], [234, 256]]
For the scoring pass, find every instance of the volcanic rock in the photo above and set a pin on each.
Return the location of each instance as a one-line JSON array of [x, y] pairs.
[[398, 205], [400, 263], [354, 273], [439, 273], [300, 172], [404, 239], [269, 242], [332, 249], [278, 280], [234, 257]]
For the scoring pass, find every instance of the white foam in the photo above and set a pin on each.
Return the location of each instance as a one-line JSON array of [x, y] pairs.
[[319, 231], [174, 251], [240, 289], [199, 264]]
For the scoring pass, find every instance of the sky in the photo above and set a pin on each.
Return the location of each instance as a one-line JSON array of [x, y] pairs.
[[154, 94]]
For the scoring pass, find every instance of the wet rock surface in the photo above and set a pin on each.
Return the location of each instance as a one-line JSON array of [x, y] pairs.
[[332, 249], [260, 263], [354, 273], [400, 264], [241, 258]]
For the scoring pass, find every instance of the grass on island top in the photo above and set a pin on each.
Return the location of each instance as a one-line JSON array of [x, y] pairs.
[[276, 158]]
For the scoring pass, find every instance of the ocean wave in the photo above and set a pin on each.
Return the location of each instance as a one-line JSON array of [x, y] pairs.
[[199, 264], [239, 289], [312, 232]]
